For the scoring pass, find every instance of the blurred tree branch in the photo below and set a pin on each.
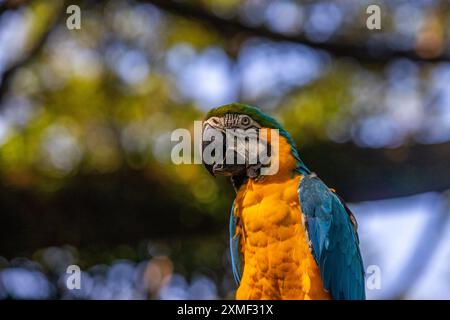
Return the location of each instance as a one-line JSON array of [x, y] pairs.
[[33, 49], [11, 4], [232, 27]]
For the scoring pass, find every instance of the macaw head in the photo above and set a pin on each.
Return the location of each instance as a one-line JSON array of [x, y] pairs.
[[243, 122]]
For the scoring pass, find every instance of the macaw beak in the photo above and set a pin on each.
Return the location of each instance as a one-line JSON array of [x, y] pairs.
[[215, 135], [209, 167], [225, 169]]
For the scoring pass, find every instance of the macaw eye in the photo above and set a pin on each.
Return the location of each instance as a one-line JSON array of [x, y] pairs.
[[245, 121]]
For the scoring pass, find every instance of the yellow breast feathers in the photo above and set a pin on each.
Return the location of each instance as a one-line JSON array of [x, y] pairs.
[[277, 260]]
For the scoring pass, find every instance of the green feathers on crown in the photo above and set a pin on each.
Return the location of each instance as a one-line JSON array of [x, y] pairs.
[[265, 121]]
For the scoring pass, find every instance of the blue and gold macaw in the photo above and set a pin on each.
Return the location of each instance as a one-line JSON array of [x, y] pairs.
[[291, 237]]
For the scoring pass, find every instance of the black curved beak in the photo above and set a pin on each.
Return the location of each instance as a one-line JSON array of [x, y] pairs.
[[209, 167], [219, 167]]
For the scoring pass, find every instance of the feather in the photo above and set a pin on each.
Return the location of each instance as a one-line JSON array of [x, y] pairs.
[[334, 239], [236, 259]]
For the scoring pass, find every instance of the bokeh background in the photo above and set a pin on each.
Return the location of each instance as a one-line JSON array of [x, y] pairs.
[[86, 117]]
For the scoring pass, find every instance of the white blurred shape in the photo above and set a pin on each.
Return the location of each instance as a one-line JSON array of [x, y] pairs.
[[389, 231], [264, 72], [14, 28], [207, 78], [284, 16], [324, 20], [61, 147], [176, 289], [21, 283], [202, 288]]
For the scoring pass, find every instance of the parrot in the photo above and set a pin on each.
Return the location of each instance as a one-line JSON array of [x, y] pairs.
[[291, 237]]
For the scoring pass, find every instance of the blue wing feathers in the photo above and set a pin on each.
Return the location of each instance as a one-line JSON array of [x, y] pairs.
[[236, 261], [334, 241]]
